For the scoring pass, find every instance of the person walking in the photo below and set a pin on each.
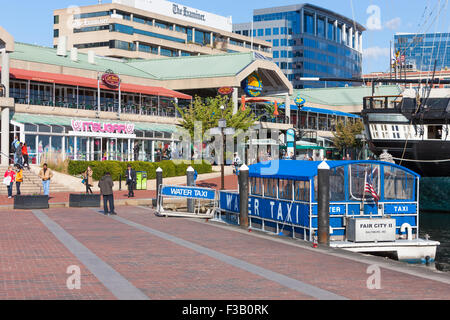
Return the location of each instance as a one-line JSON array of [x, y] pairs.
[[25, 156], [106, 189], [19, 179], [130, 175], [46, 175], [88, 179], [10, 176], [14, 145], [18, 155]]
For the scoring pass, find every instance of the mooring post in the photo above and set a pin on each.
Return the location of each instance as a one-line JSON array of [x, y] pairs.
[[159, 182], [323, 198], [243, 196], [190, 183]]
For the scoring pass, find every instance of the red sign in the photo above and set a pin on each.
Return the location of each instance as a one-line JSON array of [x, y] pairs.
[[226, 91], [111, 80]]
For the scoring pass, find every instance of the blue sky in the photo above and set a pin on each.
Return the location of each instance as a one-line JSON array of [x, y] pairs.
[[32, 21]]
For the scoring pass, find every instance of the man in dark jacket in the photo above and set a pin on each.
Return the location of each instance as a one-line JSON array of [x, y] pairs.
[[106, 189], [130, 176]]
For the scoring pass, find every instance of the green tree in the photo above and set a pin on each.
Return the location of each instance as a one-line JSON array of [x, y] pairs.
[[208, 112], [345, 135]]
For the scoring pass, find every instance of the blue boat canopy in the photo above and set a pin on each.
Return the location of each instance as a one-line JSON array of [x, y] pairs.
[[302, 170], [322, 111]]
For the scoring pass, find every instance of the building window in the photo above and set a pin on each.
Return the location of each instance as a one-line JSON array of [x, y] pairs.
[[56, 33], [276, 42], [321, 27], [283, 30], [96, 14], [56, 20], [283, 42], [331, 31], [309, 23], [284, 54], [276, 54], [276, 31], [260, 32], [245, 33], [268, 32]]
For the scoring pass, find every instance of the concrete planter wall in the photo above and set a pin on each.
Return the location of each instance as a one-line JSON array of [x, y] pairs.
[[31, 202], [84, 201]]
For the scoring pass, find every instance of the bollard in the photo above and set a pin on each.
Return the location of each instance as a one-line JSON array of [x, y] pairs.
[[159, 182], [120, 182], [190, 183], [243, 196], [323, 198]]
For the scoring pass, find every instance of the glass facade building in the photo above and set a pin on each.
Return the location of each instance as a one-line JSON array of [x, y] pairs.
[[309, 41], [424, 50]]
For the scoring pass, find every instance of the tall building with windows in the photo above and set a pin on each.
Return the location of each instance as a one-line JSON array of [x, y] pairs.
[[149, 29], [308, 41], [423, 51]]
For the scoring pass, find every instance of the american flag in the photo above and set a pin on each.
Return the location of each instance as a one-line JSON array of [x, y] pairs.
[[370, 189]]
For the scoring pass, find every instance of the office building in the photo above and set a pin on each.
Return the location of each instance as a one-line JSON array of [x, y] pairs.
[[309, 41], [140, 29]]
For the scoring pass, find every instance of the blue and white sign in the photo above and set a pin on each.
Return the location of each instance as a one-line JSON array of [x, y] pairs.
[[399, 208], [188, 192]]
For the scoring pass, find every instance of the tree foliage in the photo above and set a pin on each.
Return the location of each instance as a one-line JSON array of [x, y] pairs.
[[345, 135], [208, 112]]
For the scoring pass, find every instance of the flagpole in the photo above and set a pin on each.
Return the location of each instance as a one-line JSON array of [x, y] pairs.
[[364, 190]]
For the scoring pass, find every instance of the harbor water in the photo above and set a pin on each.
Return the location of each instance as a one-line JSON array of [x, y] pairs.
[[437, 226], [435, 216]]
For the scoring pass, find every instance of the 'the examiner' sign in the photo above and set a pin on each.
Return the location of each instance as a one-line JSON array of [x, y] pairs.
[[89, 126]]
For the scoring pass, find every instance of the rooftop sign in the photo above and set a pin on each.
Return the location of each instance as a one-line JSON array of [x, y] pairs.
[[178, 11]]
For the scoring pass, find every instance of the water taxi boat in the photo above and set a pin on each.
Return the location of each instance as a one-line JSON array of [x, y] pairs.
[[374, 206]]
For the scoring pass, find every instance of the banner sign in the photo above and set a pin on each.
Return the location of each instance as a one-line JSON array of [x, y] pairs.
[[188, 192], [89, 126]]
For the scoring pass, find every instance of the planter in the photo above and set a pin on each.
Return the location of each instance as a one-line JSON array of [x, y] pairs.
[[31, 202], [84, 201]]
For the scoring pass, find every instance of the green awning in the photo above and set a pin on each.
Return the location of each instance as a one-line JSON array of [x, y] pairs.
[[67, 121]]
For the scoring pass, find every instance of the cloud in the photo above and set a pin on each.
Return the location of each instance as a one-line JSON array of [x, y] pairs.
[[375, 53], [394, 24]]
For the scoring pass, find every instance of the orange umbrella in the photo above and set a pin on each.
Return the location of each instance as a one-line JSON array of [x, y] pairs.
[[276, 113], [243, 103]]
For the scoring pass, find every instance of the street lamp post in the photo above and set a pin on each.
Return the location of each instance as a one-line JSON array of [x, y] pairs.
[[222, 126]]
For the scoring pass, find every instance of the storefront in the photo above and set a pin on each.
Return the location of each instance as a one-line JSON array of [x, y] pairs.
[[61, 138]]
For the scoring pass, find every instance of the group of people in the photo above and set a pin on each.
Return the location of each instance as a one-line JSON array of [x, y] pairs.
[[20, 151], [15, 174]]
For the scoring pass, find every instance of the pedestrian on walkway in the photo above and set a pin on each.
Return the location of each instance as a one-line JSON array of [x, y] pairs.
[[10, 176], [19, 179], [88, 180], [14, 145], [46, 175], [106, 189], [25, 156], [130, 175], [18, 155]]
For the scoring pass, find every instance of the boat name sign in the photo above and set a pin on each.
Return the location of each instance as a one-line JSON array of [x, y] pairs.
[[371, 230]]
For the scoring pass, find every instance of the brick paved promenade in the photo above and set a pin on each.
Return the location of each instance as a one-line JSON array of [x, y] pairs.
[[137, 255]]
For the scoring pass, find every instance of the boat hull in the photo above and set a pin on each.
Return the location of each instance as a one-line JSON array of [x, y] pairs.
[[418, 150]]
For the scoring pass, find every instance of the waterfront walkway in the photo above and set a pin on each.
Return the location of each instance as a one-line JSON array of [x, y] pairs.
[[139, 256]]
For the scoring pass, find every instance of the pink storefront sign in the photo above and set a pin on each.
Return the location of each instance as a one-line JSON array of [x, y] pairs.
[[89, 126]]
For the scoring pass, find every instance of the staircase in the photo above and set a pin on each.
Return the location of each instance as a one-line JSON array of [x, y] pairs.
[[31, 184]]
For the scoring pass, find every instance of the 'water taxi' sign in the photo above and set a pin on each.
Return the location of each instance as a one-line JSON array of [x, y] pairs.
[[188, 192]]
